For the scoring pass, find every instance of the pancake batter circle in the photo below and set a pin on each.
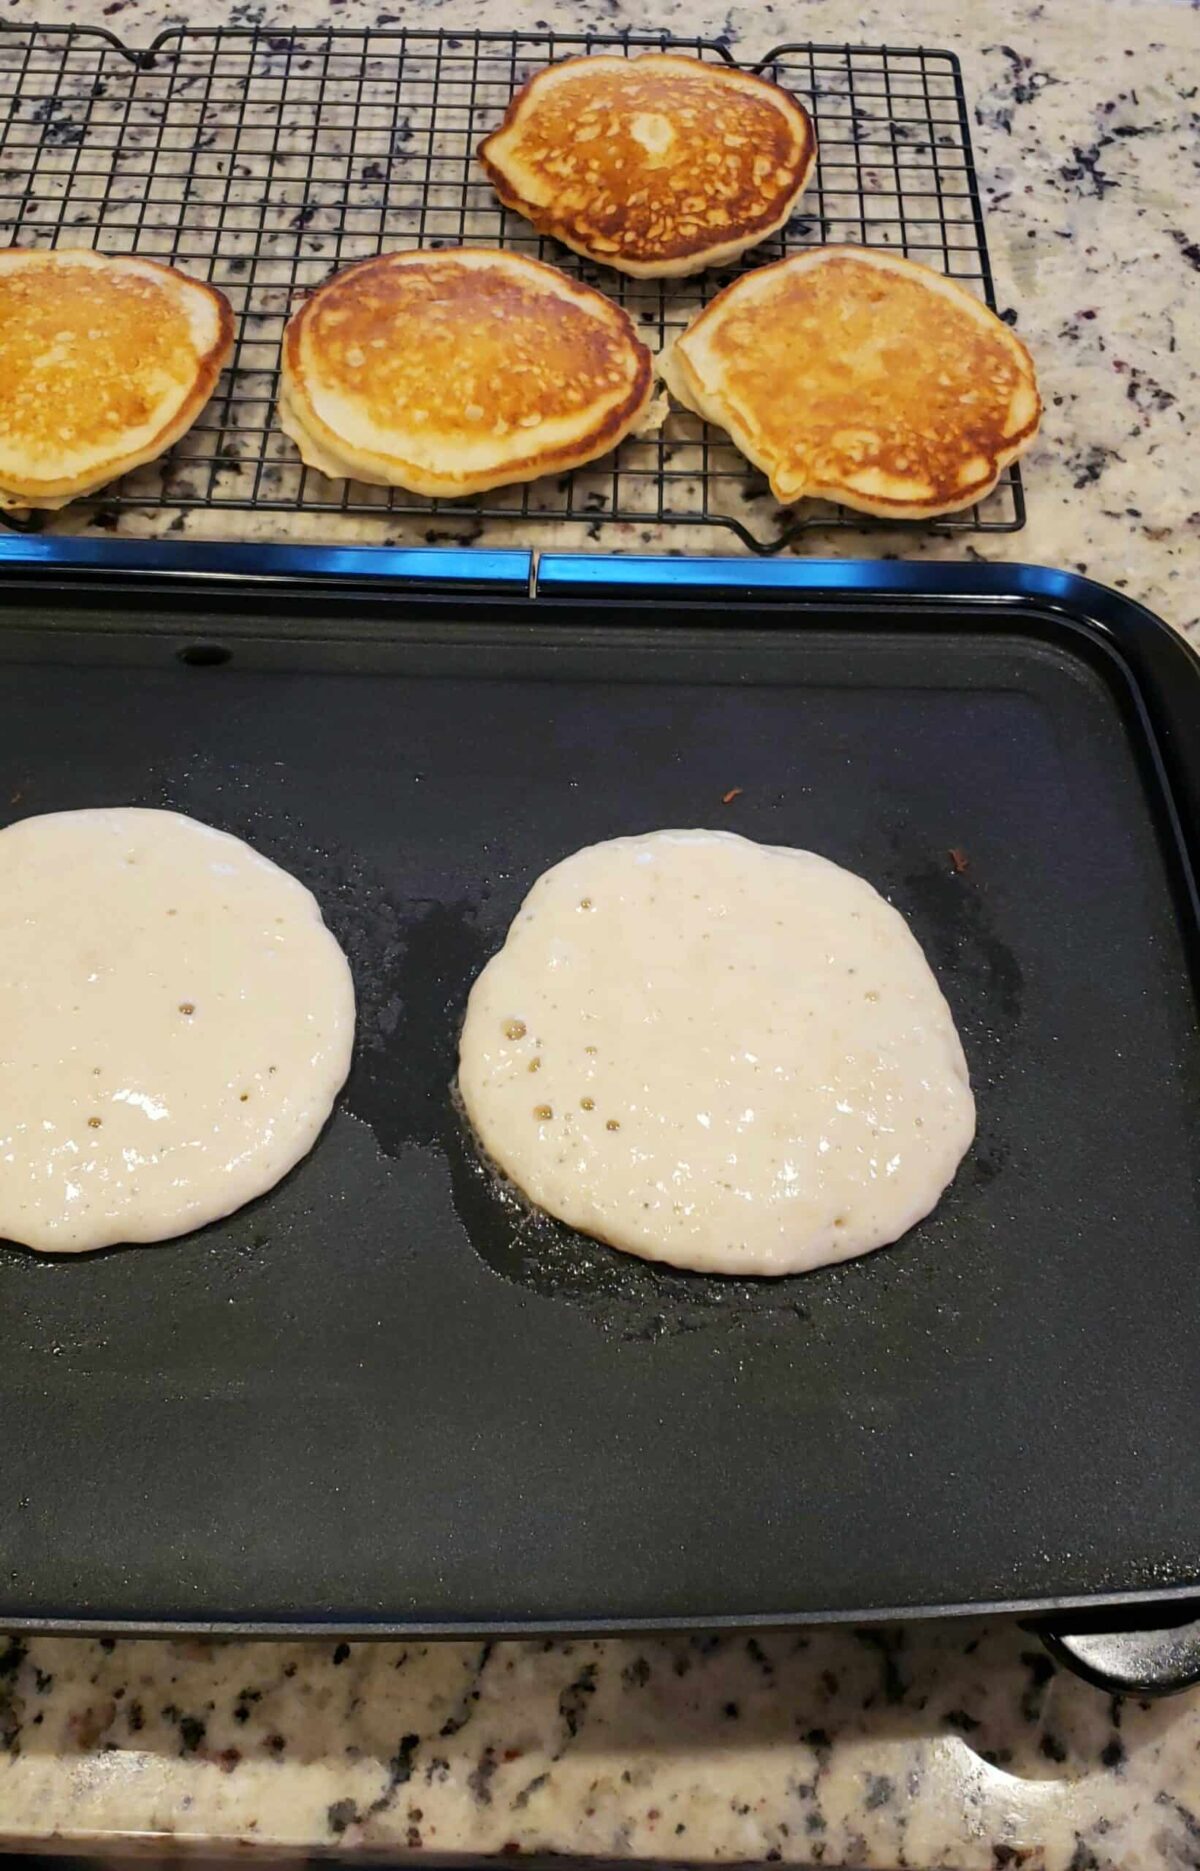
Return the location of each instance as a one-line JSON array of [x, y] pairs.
[[727, 1056], [175, 1024]]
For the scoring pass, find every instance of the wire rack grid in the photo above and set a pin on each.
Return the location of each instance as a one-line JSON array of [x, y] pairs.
[[264, 160]]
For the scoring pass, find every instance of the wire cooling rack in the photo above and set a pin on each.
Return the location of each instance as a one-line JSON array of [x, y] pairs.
[[264, 160]]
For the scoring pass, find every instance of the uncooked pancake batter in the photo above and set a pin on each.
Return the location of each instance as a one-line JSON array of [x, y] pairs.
[[175, 1024], [729, 1056]]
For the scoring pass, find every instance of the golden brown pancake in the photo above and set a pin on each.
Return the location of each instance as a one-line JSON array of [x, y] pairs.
[[657, 165], [105, 361], [454, 371], [855, 375]]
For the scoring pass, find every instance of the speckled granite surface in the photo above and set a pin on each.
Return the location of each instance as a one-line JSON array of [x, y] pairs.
[[956, 1746]]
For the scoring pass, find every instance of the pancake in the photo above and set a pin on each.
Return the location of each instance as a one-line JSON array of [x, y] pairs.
[[728, 1056], [861, 377], [105, 361], [453, 371], [175, 1023], [657, 165]]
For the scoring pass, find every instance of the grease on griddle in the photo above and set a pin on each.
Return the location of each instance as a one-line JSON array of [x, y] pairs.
[[636, 1299]]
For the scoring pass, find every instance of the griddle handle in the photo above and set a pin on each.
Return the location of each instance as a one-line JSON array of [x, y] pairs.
[[1155, 1660]]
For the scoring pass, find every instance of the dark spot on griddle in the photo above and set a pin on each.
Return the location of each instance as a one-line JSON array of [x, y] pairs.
[[636, 1675], [1112, 1755], [12, 1657], [340, 1654], [958, 1718], [983, 1166], [731, 1711], [880, 1791]]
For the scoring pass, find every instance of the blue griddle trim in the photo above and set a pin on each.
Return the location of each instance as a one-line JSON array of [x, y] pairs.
[[440, 565]]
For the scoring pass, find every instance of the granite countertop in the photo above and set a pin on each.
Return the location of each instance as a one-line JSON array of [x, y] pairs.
[[957, 1745]]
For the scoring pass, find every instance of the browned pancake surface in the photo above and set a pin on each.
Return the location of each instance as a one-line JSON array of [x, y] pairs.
[[430, 342], [86, 354], [649, 159], [847, 368]]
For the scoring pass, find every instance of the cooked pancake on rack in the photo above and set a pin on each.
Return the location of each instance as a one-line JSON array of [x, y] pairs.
[[855, 375], [105, 361], [657, 165], [453, 371]]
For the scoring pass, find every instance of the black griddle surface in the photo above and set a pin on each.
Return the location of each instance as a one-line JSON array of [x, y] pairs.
[[381, 1397]]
